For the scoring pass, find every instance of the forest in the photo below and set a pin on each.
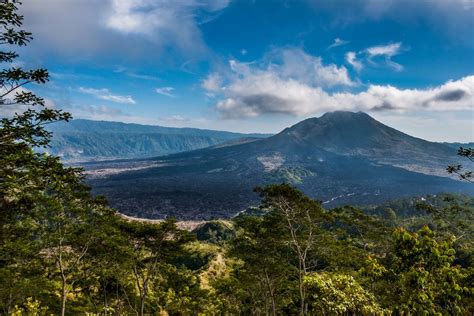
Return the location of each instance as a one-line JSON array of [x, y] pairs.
[[64, 251]]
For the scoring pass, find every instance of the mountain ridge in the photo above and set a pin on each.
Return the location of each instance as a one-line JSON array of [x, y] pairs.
[[87, 140]]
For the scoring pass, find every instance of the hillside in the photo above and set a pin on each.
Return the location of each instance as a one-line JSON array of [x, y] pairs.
[[339, 158], [86, 140]]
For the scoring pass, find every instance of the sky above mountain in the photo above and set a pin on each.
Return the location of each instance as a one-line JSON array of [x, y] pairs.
[[258, 66]]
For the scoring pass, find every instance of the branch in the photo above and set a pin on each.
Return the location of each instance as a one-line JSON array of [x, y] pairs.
[[15, 87], [84, 251]]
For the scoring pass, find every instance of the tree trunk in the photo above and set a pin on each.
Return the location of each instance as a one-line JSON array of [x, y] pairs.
[[301, 288], [274, 311], [8, 307], [105, 299], [142, 305], [272, 293], [301, 297], [63, 298], [63, 281]]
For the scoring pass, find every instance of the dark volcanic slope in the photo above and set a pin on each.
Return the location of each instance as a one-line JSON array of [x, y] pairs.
[[342, 157]]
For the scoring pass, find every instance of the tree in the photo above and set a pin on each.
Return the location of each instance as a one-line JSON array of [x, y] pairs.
[[21, 169], [47, 215], [68, 228], [418, 276], [152, 247], [264, 262], [298, 220]]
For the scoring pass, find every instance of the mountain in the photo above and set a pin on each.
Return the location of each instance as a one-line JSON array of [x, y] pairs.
[[358, 134], [457, 145], [339, 158], [86, 140]]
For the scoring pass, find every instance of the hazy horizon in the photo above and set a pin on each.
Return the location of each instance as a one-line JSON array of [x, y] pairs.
[[272, 132]]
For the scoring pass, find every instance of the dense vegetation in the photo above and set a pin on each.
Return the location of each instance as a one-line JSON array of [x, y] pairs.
[[63, 251], [292, 258]]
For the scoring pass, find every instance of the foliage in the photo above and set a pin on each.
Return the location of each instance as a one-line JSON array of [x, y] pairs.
[[426, 280], [214, 231], [337, 294]]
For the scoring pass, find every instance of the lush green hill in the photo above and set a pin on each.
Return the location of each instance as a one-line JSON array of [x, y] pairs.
[[85, 140]]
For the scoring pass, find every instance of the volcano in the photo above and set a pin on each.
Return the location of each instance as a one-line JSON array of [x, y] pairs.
[[338, 158]]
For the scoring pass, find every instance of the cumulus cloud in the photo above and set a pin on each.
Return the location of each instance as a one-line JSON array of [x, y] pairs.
[[351, 59], [105, 94], [252, 90], [338, 42], [450, 96], [294, 63], [166, 91]]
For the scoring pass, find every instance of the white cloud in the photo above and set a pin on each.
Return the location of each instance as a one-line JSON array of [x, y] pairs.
[[166, 91], [296, 64], [351, 59], [212, 82], [162, 21], [338, 42], [450, 96], [386, 52], [251, 90], [105, 94], [285, 77]]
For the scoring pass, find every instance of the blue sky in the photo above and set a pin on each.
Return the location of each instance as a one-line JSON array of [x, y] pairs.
[[258, 66]]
